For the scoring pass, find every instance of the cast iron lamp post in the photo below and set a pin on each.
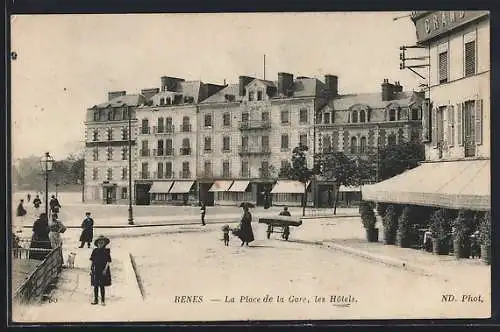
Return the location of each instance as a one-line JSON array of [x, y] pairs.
[[46, 162]]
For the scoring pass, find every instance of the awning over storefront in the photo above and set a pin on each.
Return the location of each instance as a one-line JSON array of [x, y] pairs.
[[463, 184], [160, 187], [221, 185], [239, 186], [349, 189], [181, 187], [289, 187]]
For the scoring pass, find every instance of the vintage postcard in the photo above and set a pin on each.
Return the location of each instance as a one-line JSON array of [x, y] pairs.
[[250, 166]]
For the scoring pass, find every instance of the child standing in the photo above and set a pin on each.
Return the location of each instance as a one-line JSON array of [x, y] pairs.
[[100, 275], [225, 231]]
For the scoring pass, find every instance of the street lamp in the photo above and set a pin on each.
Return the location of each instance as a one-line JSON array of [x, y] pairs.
[[57, 185], [130, 211], [46, 163]]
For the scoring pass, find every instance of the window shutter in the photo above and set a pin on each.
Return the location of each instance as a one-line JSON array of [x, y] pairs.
[[451, 125], [426, 122], [479, 122], [434, 127], [460, 129]]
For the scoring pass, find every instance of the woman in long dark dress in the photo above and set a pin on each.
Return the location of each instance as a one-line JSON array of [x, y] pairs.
[[87, 230], [245, 232], [40, 238], [100, 274]]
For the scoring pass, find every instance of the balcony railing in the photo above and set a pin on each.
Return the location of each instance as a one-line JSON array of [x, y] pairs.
[[163, 152], [145, 152], [162, 175], [184, 174], [165, 130], [145, 130], [185, 128], [185, 151], [254, 150], [255, 124]]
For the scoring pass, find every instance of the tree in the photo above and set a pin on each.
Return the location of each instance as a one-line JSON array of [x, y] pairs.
[[342, 169], [395, 159], [299, 171]]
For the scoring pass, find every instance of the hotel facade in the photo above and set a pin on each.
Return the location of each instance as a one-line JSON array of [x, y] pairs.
[[455, 119]]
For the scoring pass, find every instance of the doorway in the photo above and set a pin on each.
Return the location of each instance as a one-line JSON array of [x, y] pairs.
[[109, 195]]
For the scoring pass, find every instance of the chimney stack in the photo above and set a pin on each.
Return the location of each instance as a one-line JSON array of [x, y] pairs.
[[169, 83], [243, 81], [285, 82], [388, 90], [398, 87], [114, 94], [332, 84], [148, 93]]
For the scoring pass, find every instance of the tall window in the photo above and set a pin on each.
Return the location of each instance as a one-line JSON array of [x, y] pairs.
[[145, 126], [208, 168], [264, 169], [303, 139], [186, 147], [124, 134], [168, 170], [362, 145], [185, 169], [124, 153], [284, 141], [95, 135], [226, 119], [326, 118], [244, 169], [110, 153], [110, 174], [95, 173], [145, 149], [186, 126], [259, 95], [303, 115], [160, 170], [327, 143], [470, 58], [284, 117], [124, 193], [245, 117], [225, 169], [144, 171], [124, 173], [443, 67], [362, 116], [265, 143], [169, 151], [160, 148], [168, 125], [250, 95], [244, 142], [110, 134], [354, 116], [95, 154], [354, 144], [161, 126], [208, 120], [225, 143], [208, 144]]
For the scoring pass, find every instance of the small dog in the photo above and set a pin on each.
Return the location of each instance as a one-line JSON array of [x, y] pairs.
[[70, 262], [225, 231]]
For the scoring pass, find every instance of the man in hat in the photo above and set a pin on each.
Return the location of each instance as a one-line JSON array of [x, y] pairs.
[[100, 274], [87, 230], [54, 205]]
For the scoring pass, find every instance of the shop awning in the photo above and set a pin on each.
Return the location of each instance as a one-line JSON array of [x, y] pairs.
[[239, 186], [181, 187], [289, 187], [349, 189], [160, 187], [463, 184], [221, 185]]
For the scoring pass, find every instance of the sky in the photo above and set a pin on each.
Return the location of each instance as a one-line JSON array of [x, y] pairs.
[[68, 63]]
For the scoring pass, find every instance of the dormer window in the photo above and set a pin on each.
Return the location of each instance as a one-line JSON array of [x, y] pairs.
[[362, 116], [96, 115], [177, 99], [162, 101], [251, 96], [169, 101], [354, 116], [392, 115], [259, 95]]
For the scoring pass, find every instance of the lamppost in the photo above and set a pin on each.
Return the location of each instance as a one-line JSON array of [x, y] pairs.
[[46, 162], [130, 211], [57, 185]]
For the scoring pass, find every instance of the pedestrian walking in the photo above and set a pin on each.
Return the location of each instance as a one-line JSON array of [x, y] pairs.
[[21, 213], [56, 229], [203, 212], [245, 232], [54, 205], [36, 203], [100, 274], [28, 197], [40, 238], [87, 230]]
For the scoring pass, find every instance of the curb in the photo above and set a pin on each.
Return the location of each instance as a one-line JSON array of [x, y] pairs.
[[130, 277], [379, 258]]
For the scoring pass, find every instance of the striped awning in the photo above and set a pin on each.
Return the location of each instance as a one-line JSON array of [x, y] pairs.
[[181, 187], [289, 187], [464, 184], [160, 187], [221, 185], [239, 186]]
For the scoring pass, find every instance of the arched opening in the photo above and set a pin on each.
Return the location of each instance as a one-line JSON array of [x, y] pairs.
[[354, 116], [354, 144], [362, 115]]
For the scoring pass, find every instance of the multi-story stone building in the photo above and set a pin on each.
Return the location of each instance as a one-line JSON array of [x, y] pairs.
[[456, 124], [247, 132], [167, 142], [106, 147], [360, 124]]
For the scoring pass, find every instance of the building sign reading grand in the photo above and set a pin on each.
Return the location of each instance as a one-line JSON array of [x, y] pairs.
[[435, 23]]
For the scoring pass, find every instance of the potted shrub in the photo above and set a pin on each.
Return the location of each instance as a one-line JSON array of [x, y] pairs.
[[440, 229], [381, 207], [390, 222], [485, 238], [461, 234], [403, 234], [369, 221]]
